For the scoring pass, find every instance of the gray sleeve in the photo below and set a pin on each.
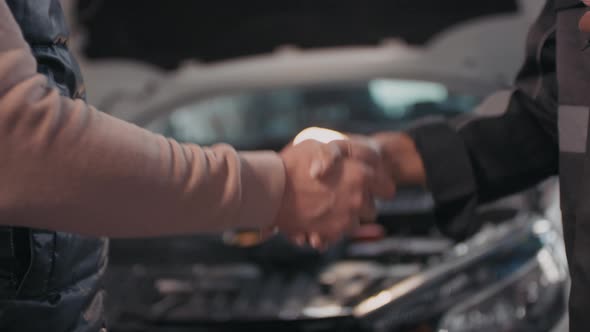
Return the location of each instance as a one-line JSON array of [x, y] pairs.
[[482, 157]]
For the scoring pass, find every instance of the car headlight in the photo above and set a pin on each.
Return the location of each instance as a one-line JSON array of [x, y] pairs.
[[521, 302]]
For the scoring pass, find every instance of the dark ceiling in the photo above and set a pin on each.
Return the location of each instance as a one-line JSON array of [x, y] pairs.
[[166, 32]]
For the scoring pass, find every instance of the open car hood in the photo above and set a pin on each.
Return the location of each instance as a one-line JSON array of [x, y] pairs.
[[129, 62]]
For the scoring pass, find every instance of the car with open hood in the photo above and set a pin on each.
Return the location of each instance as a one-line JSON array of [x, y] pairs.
[[401, 274]]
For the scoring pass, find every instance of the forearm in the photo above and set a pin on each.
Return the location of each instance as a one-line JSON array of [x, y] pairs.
[[66, 166], [462, 168], [505, 146], [499, 155]]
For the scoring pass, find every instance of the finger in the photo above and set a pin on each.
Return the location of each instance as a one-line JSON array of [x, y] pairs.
[[368, 232], [324, 241], [314, 240], [362, 187], [358, 179], [299, 239], [370, 141], [368, 212], [364, 150], [383, 185], [326, 159]]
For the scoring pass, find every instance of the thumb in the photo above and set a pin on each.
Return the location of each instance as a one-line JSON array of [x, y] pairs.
[[325, 160]]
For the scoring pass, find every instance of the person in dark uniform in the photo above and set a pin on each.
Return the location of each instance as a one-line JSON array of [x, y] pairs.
[[543, 131], [65, 166]]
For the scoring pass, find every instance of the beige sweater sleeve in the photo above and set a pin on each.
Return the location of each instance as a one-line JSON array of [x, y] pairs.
[[65, 166]]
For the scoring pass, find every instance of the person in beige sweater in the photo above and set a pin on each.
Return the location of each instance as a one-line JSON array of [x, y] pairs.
[[62, 161]]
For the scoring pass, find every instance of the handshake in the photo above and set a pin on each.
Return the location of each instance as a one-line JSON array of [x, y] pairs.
[[331, 187]]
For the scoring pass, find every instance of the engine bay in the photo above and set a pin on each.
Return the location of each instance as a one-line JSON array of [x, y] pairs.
[[200, 283]]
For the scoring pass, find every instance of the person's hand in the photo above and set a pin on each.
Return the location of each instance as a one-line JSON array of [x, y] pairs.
[[584, 23], [401, 158], [330, 188]]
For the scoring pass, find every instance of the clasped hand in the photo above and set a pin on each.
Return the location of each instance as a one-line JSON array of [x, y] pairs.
[[331, 189]]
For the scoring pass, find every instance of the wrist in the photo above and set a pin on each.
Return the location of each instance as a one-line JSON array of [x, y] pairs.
[[402, 157]]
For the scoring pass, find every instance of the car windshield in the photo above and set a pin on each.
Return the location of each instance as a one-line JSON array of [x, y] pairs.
[[270, 118]]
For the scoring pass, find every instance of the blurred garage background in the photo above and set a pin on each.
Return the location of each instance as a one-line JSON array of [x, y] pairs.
[[253, 74]]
